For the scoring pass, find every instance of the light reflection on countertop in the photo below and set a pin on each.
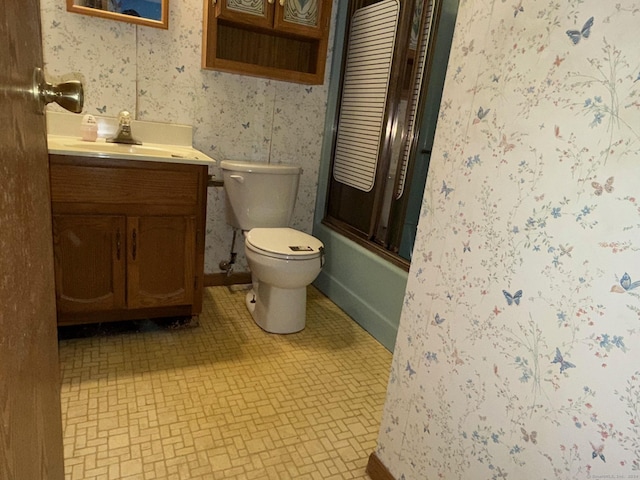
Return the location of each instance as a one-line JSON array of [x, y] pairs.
[[161, 142]]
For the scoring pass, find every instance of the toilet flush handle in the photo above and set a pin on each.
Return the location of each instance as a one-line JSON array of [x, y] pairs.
[[238, 178], [321, 257]]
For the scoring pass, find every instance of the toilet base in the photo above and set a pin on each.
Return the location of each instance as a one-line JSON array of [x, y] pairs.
[[278, 310]]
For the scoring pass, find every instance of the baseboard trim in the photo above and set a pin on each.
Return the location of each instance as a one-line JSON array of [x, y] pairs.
[[377, 470], [222, 279]]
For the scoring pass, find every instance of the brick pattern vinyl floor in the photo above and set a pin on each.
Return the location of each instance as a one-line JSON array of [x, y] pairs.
[[224, 400]]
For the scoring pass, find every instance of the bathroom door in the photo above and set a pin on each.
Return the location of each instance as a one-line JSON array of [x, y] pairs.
[[30, 420]]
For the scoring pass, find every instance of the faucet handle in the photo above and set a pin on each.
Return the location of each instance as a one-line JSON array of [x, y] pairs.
[[124, 118]]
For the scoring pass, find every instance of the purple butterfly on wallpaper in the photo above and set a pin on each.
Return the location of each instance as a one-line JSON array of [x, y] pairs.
[[515, 298], [607, 187], [529, 436], [563, 363], [466, 247], [625, 284], [584, 32], [467, 50]]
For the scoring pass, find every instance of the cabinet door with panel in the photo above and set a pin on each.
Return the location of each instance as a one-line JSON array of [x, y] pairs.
[[89, 256], [258, 13], [154, 281], [300, 17]]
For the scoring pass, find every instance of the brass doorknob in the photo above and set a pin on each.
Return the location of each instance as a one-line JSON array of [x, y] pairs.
[[69, 95]]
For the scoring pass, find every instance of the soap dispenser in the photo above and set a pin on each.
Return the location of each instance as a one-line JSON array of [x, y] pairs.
[[89, 128]]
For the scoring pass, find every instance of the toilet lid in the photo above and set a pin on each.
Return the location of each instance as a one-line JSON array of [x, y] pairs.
[[284, 242]]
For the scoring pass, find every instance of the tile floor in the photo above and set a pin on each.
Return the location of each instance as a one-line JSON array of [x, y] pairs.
[[224, 400]]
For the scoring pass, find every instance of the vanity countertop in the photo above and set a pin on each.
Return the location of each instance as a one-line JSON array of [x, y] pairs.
[[161, 142]]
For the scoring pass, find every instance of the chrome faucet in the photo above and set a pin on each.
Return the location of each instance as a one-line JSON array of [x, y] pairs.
[[123, 135]]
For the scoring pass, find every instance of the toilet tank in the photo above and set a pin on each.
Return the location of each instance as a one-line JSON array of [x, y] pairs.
[[259, 194]]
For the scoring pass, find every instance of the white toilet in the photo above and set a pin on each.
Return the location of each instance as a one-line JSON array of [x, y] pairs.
[[283, 261]]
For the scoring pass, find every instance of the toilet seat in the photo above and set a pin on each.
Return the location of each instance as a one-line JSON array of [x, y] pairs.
[[283, 243]]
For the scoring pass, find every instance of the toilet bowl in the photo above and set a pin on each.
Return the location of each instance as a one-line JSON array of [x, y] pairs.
[[283, 261]]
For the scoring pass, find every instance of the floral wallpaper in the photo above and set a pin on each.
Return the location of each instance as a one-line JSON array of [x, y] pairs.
[[156, 74], [518, 353]]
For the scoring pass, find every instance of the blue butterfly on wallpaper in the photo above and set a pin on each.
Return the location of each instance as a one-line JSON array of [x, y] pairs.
[[625, 284], [438, 320], [515, 298], [180, 69], [409, 369], [577, 35], [466, 247], [446, 190], [309, 89], [245, 125], [481, 114], [563, 363], [102, 109], [597, 452], [517, 9], [431, 357]]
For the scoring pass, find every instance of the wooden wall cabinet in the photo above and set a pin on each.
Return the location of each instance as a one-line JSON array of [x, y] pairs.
[[279, 39], [128, 238]]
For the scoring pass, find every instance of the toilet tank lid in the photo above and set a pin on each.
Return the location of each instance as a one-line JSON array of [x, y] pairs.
[[260, 167]]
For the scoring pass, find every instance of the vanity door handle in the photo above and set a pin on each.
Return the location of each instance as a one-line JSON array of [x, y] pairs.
[[134, 247]]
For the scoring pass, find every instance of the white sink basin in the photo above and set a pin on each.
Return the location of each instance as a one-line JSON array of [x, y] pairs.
[[62, 145]]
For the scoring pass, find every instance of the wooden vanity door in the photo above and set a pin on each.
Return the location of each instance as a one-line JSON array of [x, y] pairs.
[[156, 280], [90, 256]]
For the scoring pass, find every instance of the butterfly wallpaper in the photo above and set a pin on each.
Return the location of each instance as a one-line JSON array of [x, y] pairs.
[[157, 74], [529, 246]]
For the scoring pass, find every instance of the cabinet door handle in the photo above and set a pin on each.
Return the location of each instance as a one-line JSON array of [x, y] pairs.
[[118, 244], [135, 244]]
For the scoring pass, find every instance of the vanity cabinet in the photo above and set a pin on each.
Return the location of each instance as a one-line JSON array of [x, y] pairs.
[[128, 238], [280, 39]]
